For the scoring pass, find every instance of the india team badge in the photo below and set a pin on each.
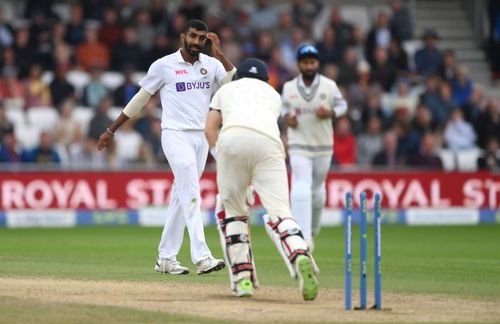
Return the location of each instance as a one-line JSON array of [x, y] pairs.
[[203, 71]]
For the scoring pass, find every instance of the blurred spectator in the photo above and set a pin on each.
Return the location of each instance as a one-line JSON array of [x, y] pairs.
[[11, 88], [304, 12], [397, 56], [373, 108], [343, 30], [40, 38], [56, 41], [265, 45], [74, 35], [127, 90], [358, 42], [263, 15], [494, 37], [62, 55], [127, 52], [92, 52], [428, 59], [60, 88], [288, 47], [476, 104], [5, 125], [328, 48], [101, 120], [278, 73], [144, 28], [24, 54], [95, 90], [357, 93], [408, 140], [461, 86], [490, 160], [93, 9], [383, 71], [6, 31], [44, 152], [422, 122], [126, 9], [161, 47], [144, 125], [388, 155], [426, 157], [448, 68], [230, 46], [348, 67], [110, 32], [401, 21], [84, 154], [459, 134], [331, 72], [231, 12], [379, 36], [344, 143], [403, 104], [67, 130], [175, 27], [36, 92], [369, 142], [488, 123], [437, 97], [43, 7], [128, 144], [192, 9], [9, 150], [146, 155]]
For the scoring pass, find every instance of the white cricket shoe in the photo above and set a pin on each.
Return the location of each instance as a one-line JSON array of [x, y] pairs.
[[209, 264], [171, 266]]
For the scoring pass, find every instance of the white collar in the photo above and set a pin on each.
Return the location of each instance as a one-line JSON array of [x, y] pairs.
[[180, 59]]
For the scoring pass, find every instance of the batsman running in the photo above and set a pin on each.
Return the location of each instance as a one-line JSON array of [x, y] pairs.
[[249, 151]]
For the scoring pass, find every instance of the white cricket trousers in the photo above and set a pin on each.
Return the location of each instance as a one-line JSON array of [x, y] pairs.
[[308, 192], [247, 157], [186, 153]]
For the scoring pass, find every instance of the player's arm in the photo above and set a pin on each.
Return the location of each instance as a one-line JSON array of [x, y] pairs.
[[214, 122], [339, 106], [131, 109], [218, 54]]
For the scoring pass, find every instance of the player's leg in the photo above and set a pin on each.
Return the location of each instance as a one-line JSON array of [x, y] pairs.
[[200, 253], [271, 183], [234, 173], [171, 238], [321, 166], [301, 194]]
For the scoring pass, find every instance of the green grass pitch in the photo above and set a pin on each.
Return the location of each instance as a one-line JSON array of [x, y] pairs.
[[453, 260]]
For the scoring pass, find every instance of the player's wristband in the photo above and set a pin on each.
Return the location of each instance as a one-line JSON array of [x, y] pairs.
[[109, 131]]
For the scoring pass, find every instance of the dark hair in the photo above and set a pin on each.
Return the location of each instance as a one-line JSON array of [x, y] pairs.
[[195, 24]]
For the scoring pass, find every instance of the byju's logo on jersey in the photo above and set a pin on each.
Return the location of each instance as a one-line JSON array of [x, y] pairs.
[[184, 86]]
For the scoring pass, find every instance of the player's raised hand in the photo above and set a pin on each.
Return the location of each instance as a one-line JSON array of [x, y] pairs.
[[291, 120], [104, 140], [323, 113], [216, 49]]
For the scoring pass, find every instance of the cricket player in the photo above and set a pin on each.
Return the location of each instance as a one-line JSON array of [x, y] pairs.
[[249, 151], [186, 81], [310, 101]]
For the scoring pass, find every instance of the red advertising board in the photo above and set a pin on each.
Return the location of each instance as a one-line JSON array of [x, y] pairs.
[[109, 190]]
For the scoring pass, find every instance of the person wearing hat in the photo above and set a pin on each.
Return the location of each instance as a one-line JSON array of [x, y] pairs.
[[310, 101], [428, 59], [249, 150]]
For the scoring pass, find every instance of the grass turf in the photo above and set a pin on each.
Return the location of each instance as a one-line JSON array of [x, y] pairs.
[[451, 260]]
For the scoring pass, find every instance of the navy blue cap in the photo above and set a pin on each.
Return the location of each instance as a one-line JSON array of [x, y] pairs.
[[307, 50], [252, 68]]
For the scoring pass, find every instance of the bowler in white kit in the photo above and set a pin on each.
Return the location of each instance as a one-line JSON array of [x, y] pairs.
[[186, 81]]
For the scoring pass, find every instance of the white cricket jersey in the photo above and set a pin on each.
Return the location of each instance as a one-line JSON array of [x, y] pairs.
[[249, 103], [312, 136], [185, 89]]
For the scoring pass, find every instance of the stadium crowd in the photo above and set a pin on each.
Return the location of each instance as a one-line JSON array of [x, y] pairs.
[[65, 76]]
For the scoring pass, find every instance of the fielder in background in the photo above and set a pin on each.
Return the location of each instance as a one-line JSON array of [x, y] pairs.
[[186, 81], [310, 101], [249, 151]]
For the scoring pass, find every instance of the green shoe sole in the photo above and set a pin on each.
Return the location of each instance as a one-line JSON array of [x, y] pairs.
[[307, 279]]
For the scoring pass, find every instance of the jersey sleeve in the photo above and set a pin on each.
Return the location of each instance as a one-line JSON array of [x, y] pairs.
[[154, 79], [339, 104], [285, 103], [220, 72]]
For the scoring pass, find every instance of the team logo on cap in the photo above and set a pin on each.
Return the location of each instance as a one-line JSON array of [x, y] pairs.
[[203, 71], [322, 96], [253, 69]]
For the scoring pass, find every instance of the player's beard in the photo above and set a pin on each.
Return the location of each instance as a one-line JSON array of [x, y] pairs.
[[309, 75], [192, 50]]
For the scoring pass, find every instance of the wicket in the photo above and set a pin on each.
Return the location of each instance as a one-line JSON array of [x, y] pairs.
[[363, 252]]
